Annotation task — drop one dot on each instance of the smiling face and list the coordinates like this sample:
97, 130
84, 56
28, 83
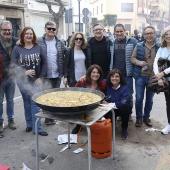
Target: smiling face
28, 38
98, 32
167, 37
120, 33
6, 31
50, 31
78, 40
95, 75
149, 35
115, 79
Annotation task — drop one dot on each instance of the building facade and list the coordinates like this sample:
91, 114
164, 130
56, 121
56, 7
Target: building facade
133, 14
37, 14
76, 6
13, 11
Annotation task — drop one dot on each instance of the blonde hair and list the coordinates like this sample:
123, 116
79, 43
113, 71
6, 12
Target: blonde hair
84, 42
163, 43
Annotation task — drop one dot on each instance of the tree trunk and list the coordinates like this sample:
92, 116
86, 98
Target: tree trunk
57, 15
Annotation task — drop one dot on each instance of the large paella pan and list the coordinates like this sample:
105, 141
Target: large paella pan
63, 106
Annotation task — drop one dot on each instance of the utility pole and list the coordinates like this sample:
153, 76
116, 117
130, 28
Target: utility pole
79, 13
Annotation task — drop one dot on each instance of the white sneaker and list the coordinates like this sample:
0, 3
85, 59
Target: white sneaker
166, 130
119, 119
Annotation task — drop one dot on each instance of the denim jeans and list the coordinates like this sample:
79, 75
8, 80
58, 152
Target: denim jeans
123, 112
129, 82
30, 107
141, 84
7, 88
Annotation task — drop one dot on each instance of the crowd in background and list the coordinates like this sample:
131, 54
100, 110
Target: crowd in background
106, 62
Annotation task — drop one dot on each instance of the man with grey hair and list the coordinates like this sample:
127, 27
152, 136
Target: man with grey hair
143, 58
55, 49
7, 87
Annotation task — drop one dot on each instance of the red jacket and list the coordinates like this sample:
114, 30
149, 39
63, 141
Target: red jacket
101, 87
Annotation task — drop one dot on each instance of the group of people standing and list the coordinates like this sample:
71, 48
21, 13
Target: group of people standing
35, 63
99, 63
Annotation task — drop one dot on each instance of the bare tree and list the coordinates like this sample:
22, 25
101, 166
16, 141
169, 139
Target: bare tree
57, 15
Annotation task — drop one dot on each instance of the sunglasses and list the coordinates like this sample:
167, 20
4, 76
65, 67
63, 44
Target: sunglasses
81, 39
51, 29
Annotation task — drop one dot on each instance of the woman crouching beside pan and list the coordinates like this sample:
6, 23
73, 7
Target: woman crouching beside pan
119, 101
94, 80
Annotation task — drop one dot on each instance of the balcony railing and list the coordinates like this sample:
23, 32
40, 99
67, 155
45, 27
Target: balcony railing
13, 4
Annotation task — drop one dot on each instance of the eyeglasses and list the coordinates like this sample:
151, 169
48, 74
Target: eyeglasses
51, 29
5, 30
81, 39
99, 29
149, 33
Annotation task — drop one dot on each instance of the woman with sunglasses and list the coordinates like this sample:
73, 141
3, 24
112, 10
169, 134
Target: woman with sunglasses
75, 64
164, 52
29, 63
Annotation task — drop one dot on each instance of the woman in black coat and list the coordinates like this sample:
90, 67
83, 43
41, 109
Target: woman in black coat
75, 64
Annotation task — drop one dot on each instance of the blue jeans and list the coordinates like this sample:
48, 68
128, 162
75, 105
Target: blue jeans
30, 107
129, 82
141, 84
7, 88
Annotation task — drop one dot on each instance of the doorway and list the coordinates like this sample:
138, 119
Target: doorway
16, 26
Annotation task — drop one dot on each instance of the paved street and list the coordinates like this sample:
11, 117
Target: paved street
142, 150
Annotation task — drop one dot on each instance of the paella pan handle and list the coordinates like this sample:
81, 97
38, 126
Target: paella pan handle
106, 97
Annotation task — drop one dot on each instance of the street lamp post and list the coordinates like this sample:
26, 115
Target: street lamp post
79, 13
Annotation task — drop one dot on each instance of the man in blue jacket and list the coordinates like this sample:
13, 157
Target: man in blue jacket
7, 87
123, 48
143, 58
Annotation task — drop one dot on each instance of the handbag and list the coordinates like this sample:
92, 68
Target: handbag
155, 87
163, 63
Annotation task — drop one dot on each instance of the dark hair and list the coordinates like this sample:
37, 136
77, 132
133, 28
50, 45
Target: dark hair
34, 41
89, 71
119, 25
97, 25
113, 72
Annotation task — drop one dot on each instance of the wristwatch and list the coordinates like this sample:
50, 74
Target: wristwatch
164, 73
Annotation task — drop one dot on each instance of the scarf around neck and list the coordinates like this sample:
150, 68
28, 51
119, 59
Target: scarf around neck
6, 45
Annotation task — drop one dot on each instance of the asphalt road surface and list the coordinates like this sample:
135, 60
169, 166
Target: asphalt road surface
141, 151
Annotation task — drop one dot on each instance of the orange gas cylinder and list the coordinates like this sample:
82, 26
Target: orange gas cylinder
101, 139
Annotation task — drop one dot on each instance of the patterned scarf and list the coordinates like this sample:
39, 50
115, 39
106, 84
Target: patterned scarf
6, 45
